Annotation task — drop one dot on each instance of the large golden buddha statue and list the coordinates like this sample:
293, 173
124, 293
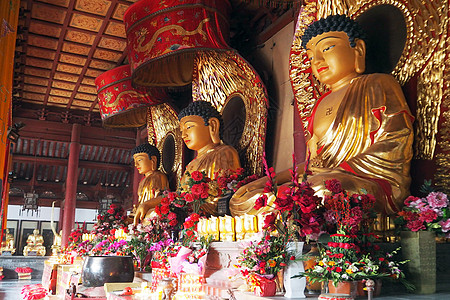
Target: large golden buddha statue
360, 131
146, 160
35, 243
201, 128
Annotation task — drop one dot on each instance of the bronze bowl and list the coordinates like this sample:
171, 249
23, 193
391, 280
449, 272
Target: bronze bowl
98, 270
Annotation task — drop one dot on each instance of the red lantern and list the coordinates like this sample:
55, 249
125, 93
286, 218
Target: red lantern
120, 104
163, 37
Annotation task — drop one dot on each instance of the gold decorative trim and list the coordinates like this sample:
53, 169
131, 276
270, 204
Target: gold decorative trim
162, 121
442, 176
425, 30
217, 78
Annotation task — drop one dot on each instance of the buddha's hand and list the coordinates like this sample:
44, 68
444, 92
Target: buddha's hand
141, 211
251, 188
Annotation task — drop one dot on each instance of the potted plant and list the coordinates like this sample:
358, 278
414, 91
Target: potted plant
140, 239
419, 222
260, 261
296, 217
350, 255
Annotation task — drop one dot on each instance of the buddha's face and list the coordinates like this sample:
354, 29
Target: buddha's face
143, 163
195, 134
333, 60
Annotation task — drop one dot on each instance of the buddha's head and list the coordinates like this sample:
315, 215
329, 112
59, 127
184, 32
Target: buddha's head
336, 48
201, 125
146, 158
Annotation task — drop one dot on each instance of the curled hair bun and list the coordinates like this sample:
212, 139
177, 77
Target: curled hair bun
334, 23
205, 110
150, 150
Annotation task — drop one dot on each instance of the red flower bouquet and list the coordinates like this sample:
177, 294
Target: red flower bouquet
351, 255
297, 211
428, 213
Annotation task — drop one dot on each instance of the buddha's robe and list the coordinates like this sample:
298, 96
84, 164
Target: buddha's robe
220, 158
152, 185
368, 145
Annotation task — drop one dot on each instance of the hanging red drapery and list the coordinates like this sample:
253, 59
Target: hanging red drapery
120, 104
9, 13
163, 37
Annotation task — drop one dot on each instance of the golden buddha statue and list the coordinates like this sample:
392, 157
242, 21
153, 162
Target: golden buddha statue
213, 230
202, 130
146, 160
360, 131
35, 243
227, 229
56, 247
8, 244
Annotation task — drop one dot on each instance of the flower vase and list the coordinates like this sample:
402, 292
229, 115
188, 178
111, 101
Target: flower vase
420, 249
313, 255
279, 277
266, 288
344, 287
295, 287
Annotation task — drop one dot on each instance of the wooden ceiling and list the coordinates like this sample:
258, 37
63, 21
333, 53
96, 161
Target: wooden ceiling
62, 46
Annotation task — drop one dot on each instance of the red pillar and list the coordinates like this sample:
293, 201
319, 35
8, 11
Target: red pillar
71, 185
299, 139
136, 175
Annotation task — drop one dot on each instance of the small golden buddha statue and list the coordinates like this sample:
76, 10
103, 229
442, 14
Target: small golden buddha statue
227, 229
250, 225
360, 132
246, 226
35, 243
56, 247
239, 227
202, 226
8, 244
202, 130
213, 229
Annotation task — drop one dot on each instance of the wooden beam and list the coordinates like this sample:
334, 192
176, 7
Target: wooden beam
63, 162
95, 136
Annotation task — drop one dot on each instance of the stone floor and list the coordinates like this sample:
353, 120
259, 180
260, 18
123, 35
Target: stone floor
10, 290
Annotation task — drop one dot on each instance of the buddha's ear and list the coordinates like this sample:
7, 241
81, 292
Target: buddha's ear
214, 130
360, 57
154, 160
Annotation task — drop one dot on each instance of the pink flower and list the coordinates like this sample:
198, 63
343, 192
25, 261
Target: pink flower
410, 199
437, 200
330, 216
445, 225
